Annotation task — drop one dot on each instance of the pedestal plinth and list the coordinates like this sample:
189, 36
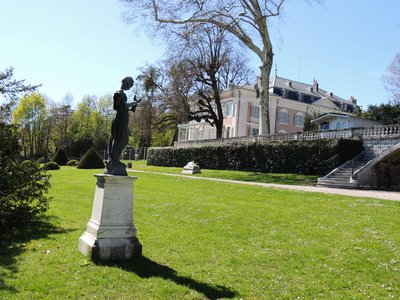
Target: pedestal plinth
110, 233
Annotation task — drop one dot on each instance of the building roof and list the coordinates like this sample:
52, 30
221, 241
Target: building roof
331, 115
304, 88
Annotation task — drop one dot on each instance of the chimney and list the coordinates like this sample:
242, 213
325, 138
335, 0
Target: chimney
315, 86
353, 100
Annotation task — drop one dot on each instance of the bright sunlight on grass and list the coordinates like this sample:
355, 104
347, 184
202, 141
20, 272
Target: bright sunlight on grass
205, 239
291, 179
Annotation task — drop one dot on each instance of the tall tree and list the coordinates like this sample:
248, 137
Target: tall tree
149, 88
10, 90
60, 115
81, 133
245, 19
177, 97
392, 79
30, 116
215, 64
163, 88
105, 107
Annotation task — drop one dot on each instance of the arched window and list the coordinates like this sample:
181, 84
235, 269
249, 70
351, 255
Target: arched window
299, 119
283, 116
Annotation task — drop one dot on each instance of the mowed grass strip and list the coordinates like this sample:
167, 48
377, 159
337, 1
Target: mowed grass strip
290, 179
211, 240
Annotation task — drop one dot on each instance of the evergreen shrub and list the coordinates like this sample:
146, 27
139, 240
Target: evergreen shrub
41, 160
60, 158
26, 162
91, 160
72, 163
301, 157
23, 186
51, 165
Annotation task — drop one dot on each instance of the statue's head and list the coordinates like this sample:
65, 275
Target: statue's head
127, 83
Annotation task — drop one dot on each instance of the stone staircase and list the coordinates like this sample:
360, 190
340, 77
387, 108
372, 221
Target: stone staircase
342, 176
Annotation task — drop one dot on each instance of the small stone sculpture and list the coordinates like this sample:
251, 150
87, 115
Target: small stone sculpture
119, 129
191, 168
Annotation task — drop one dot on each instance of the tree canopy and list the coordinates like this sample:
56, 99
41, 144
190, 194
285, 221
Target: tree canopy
392, 79
30, 117
10, 90
247, 20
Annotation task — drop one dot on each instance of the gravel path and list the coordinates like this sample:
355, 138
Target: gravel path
387, 195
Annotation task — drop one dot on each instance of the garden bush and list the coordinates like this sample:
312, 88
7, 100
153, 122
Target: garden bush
41, 160
26, 162
51, 165
23, 186
72, 163
60, 158
91, 160
302, 157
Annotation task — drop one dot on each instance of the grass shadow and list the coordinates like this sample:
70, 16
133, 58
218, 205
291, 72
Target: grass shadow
146, 268
13, 243
278, 178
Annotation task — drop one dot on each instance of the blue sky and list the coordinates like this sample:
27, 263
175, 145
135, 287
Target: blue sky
84, 47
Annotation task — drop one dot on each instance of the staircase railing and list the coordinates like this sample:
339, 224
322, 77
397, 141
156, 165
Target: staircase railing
330, 164
371, 152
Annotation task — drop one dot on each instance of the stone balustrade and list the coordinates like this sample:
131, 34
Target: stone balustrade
376, 132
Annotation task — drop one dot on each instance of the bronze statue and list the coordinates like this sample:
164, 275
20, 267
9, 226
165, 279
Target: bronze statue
119, 129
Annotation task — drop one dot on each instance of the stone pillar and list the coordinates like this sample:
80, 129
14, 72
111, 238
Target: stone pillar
110, 233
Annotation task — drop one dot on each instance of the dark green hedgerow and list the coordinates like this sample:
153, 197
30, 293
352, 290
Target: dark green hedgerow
302, 157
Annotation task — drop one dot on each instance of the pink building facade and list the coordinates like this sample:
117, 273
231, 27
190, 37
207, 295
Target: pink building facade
290, 102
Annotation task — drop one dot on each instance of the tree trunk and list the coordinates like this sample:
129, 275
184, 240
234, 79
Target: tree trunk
175, 137
219, 120
264, 97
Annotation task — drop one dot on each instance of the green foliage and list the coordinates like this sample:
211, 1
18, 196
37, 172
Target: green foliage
88, 128
11, 89
22, 185
300, 157
41, 160
72, 162
387, 113
30, 117
308, 125
91, 160
60, 157
51, 165
26, 162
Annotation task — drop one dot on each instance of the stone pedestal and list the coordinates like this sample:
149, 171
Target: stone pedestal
110, 233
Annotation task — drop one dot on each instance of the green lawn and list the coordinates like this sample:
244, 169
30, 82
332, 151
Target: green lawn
291, 179
205, 239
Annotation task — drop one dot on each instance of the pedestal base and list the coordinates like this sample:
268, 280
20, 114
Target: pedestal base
110, 233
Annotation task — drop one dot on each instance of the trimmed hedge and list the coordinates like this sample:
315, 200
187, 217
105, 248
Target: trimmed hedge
301, 157
51, 165
72, 163
91, 160
60, 158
